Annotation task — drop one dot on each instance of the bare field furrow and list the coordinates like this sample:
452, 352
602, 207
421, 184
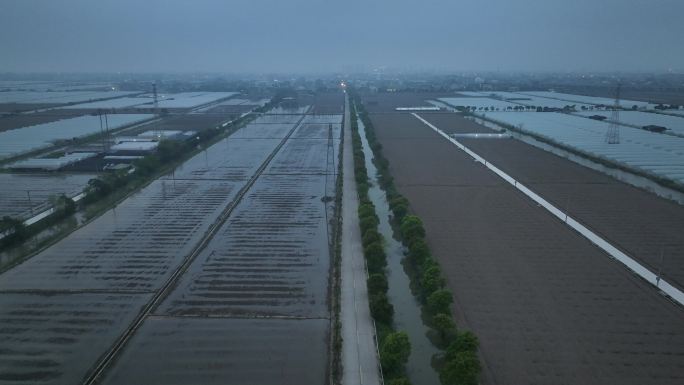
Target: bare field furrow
547, 306
647, 227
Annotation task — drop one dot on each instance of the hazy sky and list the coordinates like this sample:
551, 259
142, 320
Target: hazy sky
326, 35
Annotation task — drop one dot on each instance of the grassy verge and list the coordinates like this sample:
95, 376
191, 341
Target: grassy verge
460, 362
394, 346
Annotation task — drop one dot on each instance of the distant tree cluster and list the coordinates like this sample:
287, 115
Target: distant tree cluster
14, 232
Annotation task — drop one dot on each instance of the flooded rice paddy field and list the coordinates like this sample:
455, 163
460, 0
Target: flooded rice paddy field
185, 122
25, 120
115, 262
328, 103
547, 305
208, 351
259, 130
270, 258
11, 108
22, 140
259, 287
59, 97
14, 199
312, 149
109, 104
231, 109
283, 117
233, 158
306, 156
189, 99
54, 338
132, 247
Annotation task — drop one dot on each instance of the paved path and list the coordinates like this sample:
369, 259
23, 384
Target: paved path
359, 356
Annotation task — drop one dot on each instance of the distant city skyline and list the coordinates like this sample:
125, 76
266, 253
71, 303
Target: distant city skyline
243, 36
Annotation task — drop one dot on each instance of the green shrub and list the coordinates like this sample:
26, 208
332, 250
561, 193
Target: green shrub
386, 179
376, 259
427, 263
439, 301
431, 280
398, 381
377, 283
63, 205
362, 189
444, 325
381, 309
462, 369
399, 206
412, 228
15, 231
465, 342
394, 353
366, 209
147, 165
368, 223
370, 236
419, 251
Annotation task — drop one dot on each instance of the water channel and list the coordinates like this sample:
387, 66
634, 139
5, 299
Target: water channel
407, 310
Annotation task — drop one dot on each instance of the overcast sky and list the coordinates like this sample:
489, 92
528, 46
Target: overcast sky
327, 36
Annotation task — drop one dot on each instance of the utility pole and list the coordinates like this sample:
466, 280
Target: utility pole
102, 133
156, 98
156, 106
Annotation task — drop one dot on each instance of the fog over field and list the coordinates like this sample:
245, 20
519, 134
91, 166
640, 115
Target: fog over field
318, 36
319, 192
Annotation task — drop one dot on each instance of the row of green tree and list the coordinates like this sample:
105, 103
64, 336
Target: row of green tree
14, 232
460, 363
394, 346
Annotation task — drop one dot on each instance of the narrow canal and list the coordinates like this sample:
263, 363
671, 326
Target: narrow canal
407, 310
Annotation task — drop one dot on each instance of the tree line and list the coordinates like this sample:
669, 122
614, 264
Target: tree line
460, 362
394, 346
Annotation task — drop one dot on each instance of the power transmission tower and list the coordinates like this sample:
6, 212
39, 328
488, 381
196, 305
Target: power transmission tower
613, 134
156, 99
156, 108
